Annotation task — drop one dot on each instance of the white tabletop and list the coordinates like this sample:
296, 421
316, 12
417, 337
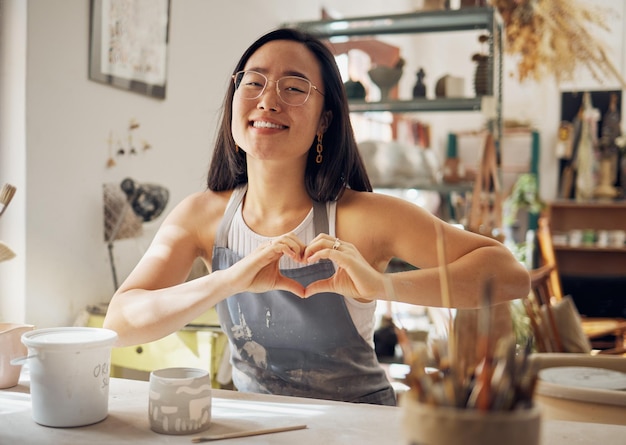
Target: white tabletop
327, 422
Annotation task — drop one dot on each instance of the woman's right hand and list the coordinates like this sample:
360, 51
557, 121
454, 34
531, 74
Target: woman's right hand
259, 271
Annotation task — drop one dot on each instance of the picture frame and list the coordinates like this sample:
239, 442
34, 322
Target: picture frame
128, 44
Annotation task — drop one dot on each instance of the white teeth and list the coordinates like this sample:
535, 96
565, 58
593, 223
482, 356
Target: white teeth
261, 124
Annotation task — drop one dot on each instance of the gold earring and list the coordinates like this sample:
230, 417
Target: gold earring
319, 148
236, 148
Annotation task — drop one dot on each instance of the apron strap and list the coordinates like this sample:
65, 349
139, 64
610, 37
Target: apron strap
221, 237
320, 217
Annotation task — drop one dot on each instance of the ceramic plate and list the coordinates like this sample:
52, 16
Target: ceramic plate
584, 377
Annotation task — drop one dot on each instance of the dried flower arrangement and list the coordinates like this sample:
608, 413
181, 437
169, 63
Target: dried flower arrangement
553, 38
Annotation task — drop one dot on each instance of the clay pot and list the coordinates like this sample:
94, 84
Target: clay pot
385, 78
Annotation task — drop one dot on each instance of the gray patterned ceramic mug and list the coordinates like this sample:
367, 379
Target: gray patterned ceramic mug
180, 400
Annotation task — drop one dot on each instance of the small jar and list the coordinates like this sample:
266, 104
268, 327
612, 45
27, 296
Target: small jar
603, 238
575, 238
589, 237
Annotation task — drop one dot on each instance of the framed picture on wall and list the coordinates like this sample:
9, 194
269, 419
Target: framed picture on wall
128, 44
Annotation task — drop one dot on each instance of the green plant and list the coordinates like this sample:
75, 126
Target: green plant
524, 195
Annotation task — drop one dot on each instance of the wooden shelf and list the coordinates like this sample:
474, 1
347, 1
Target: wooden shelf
415, 22
345, 33
591, 249
417, 105
589, 260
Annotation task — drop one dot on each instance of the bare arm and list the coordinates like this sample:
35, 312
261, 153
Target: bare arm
375, 228
155, 300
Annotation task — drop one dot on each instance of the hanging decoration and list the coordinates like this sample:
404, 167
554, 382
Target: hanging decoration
129, 149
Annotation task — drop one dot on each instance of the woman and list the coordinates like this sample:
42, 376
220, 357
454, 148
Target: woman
296, 244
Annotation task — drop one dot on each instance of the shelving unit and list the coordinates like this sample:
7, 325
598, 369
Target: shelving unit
479, 18
589, 259
595, 276
484, 18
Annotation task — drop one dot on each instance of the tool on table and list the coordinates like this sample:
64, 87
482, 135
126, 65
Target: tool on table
210, 437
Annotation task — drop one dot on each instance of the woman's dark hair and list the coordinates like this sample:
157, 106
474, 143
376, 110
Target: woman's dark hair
342, 165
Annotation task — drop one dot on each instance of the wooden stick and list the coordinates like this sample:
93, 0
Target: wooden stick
453, 359
443, 271
246, 433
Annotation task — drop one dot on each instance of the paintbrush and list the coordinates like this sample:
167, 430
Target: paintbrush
6, 195
454, 376
480, 396
445, 284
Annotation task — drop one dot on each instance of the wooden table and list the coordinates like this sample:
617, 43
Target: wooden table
327, 422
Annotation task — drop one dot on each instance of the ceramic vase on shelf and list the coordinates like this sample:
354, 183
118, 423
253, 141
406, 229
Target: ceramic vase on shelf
419, 90
453, 169
481, 74
354, 89
385, 77
481, 83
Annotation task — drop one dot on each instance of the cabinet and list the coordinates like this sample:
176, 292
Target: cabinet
200, 344
587, 256
592, 272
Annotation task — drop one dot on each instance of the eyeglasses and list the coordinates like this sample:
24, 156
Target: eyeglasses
292, 90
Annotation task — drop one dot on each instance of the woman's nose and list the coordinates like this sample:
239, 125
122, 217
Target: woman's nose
270, 100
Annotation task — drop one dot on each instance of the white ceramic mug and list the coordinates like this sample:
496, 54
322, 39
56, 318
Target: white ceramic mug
180, 400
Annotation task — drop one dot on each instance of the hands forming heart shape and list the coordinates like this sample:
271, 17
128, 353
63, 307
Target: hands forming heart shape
354, 276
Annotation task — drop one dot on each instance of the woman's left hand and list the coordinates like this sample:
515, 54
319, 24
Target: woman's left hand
354, 277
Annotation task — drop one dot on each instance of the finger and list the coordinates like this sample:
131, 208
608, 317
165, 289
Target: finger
340, 256
319, 287
321, 246
290, 285
289, 245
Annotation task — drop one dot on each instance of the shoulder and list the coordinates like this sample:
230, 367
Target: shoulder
204, 203
198, 215
379, 221
379, 205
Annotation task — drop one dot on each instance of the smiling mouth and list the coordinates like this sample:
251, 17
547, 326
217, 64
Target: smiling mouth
263, 124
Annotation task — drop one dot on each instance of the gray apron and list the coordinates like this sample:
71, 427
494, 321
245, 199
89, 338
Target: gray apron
282, 344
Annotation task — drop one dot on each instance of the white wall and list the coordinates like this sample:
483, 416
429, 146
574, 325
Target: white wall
54, 128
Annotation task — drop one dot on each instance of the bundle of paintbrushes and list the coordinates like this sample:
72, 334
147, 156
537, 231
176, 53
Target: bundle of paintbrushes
6, 195
504, 381
502, 378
